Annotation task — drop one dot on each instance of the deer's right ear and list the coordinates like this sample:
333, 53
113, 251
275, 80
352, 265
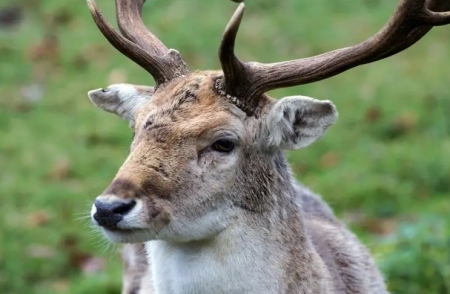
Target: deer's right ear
297, 121
122, 99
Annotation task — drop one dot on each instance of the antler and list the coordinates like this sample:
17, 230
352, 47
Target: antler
411, 20
139, 44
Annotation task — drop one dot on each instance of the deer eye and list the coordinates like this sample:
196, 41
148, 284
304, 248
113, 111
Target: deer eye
223, 145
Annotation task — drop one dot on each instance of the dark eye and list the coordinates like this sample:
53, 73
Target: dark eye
223, 145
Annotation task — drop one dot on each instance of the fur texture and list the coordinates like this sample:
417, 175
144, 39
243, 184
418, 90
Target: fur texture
235, 221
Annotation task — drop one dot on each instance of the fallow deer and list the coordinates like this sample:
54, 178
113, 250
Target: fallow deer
206, 185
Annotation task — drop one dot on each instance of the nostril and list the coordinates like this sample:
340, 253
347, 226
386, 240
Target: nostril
124, 207
117, 207
109, 214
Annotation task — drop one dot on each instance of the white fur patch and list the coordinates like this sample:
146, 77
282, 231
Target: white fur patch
232, 262
295, 122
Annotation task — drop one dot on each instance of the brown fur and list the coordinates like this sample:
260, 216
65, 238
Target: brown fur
308, 249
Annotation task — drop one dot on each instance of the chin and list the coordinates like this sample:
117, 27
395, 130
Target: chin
128, 235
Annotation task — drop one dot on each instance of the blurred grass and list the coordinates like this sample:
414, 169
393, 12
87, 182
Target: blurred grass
383, 167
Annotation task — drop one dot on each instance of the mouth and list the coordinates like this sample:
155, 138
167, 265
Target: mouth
128, 235
118, 230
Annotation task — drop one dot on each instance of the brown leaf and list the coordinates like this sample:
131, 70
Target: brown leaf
380, 226
373, 114
69, 242
45, 57
329, 159
60, 170
406, 121
77, 257
46, 50
38, 219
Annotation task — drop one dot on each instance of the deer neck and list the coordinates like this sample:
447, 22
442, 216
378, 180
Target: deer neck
259, 252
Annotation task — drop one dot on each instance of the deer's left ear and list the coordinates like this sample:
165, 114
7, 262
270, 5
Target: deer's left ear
123, 100
297, 121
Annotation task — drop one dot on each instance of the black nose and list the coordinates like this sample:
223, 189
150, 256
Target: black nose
109, 214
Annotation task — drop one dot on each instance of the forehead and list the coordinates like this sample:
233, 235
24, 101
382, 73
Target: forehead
190, 102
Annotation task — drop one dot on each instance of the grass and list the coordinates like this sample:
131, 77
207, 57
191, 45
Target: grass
383, 167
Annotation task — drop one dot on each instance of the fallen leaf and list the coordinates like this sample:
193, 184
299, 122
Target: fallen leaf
69, 241
380, 226
402, 125
406, 121
60, 170
373, 114
78, 259
329, 159
45, 50
38, 219
44, 57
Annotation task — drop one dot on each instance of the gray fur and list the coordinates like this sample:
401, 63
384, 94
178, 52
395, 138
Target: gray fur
340, 250
236, 222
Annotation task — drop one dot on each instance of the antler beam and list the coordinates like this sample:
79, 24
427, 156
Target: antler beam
139, 44
411, 20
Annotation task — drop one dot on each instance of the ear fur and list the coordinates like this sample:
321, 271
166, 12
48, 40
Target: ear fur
123, 100
295, 122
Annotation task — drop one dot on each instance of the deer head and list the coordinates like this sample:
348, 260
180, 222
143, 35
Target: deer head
208, 145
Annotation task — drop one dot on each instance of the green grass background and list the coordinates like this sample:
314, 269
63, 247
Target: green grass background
384, 167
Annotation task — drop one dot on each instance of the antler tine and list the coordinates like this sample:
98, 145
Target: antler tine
437, 18
411, 20
126, 47
129, 20
237, 75
140, 45
233, 68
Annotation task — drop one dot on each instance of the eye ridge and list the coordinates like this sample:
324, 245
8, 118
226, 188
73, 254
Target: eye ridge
223, 145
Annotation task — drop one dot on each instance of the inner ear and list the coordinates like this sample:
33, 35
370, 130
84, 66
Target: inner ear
123, 100
297, 121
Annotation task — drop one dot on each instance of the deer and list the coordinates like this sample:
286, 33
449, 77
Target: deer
206, 193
